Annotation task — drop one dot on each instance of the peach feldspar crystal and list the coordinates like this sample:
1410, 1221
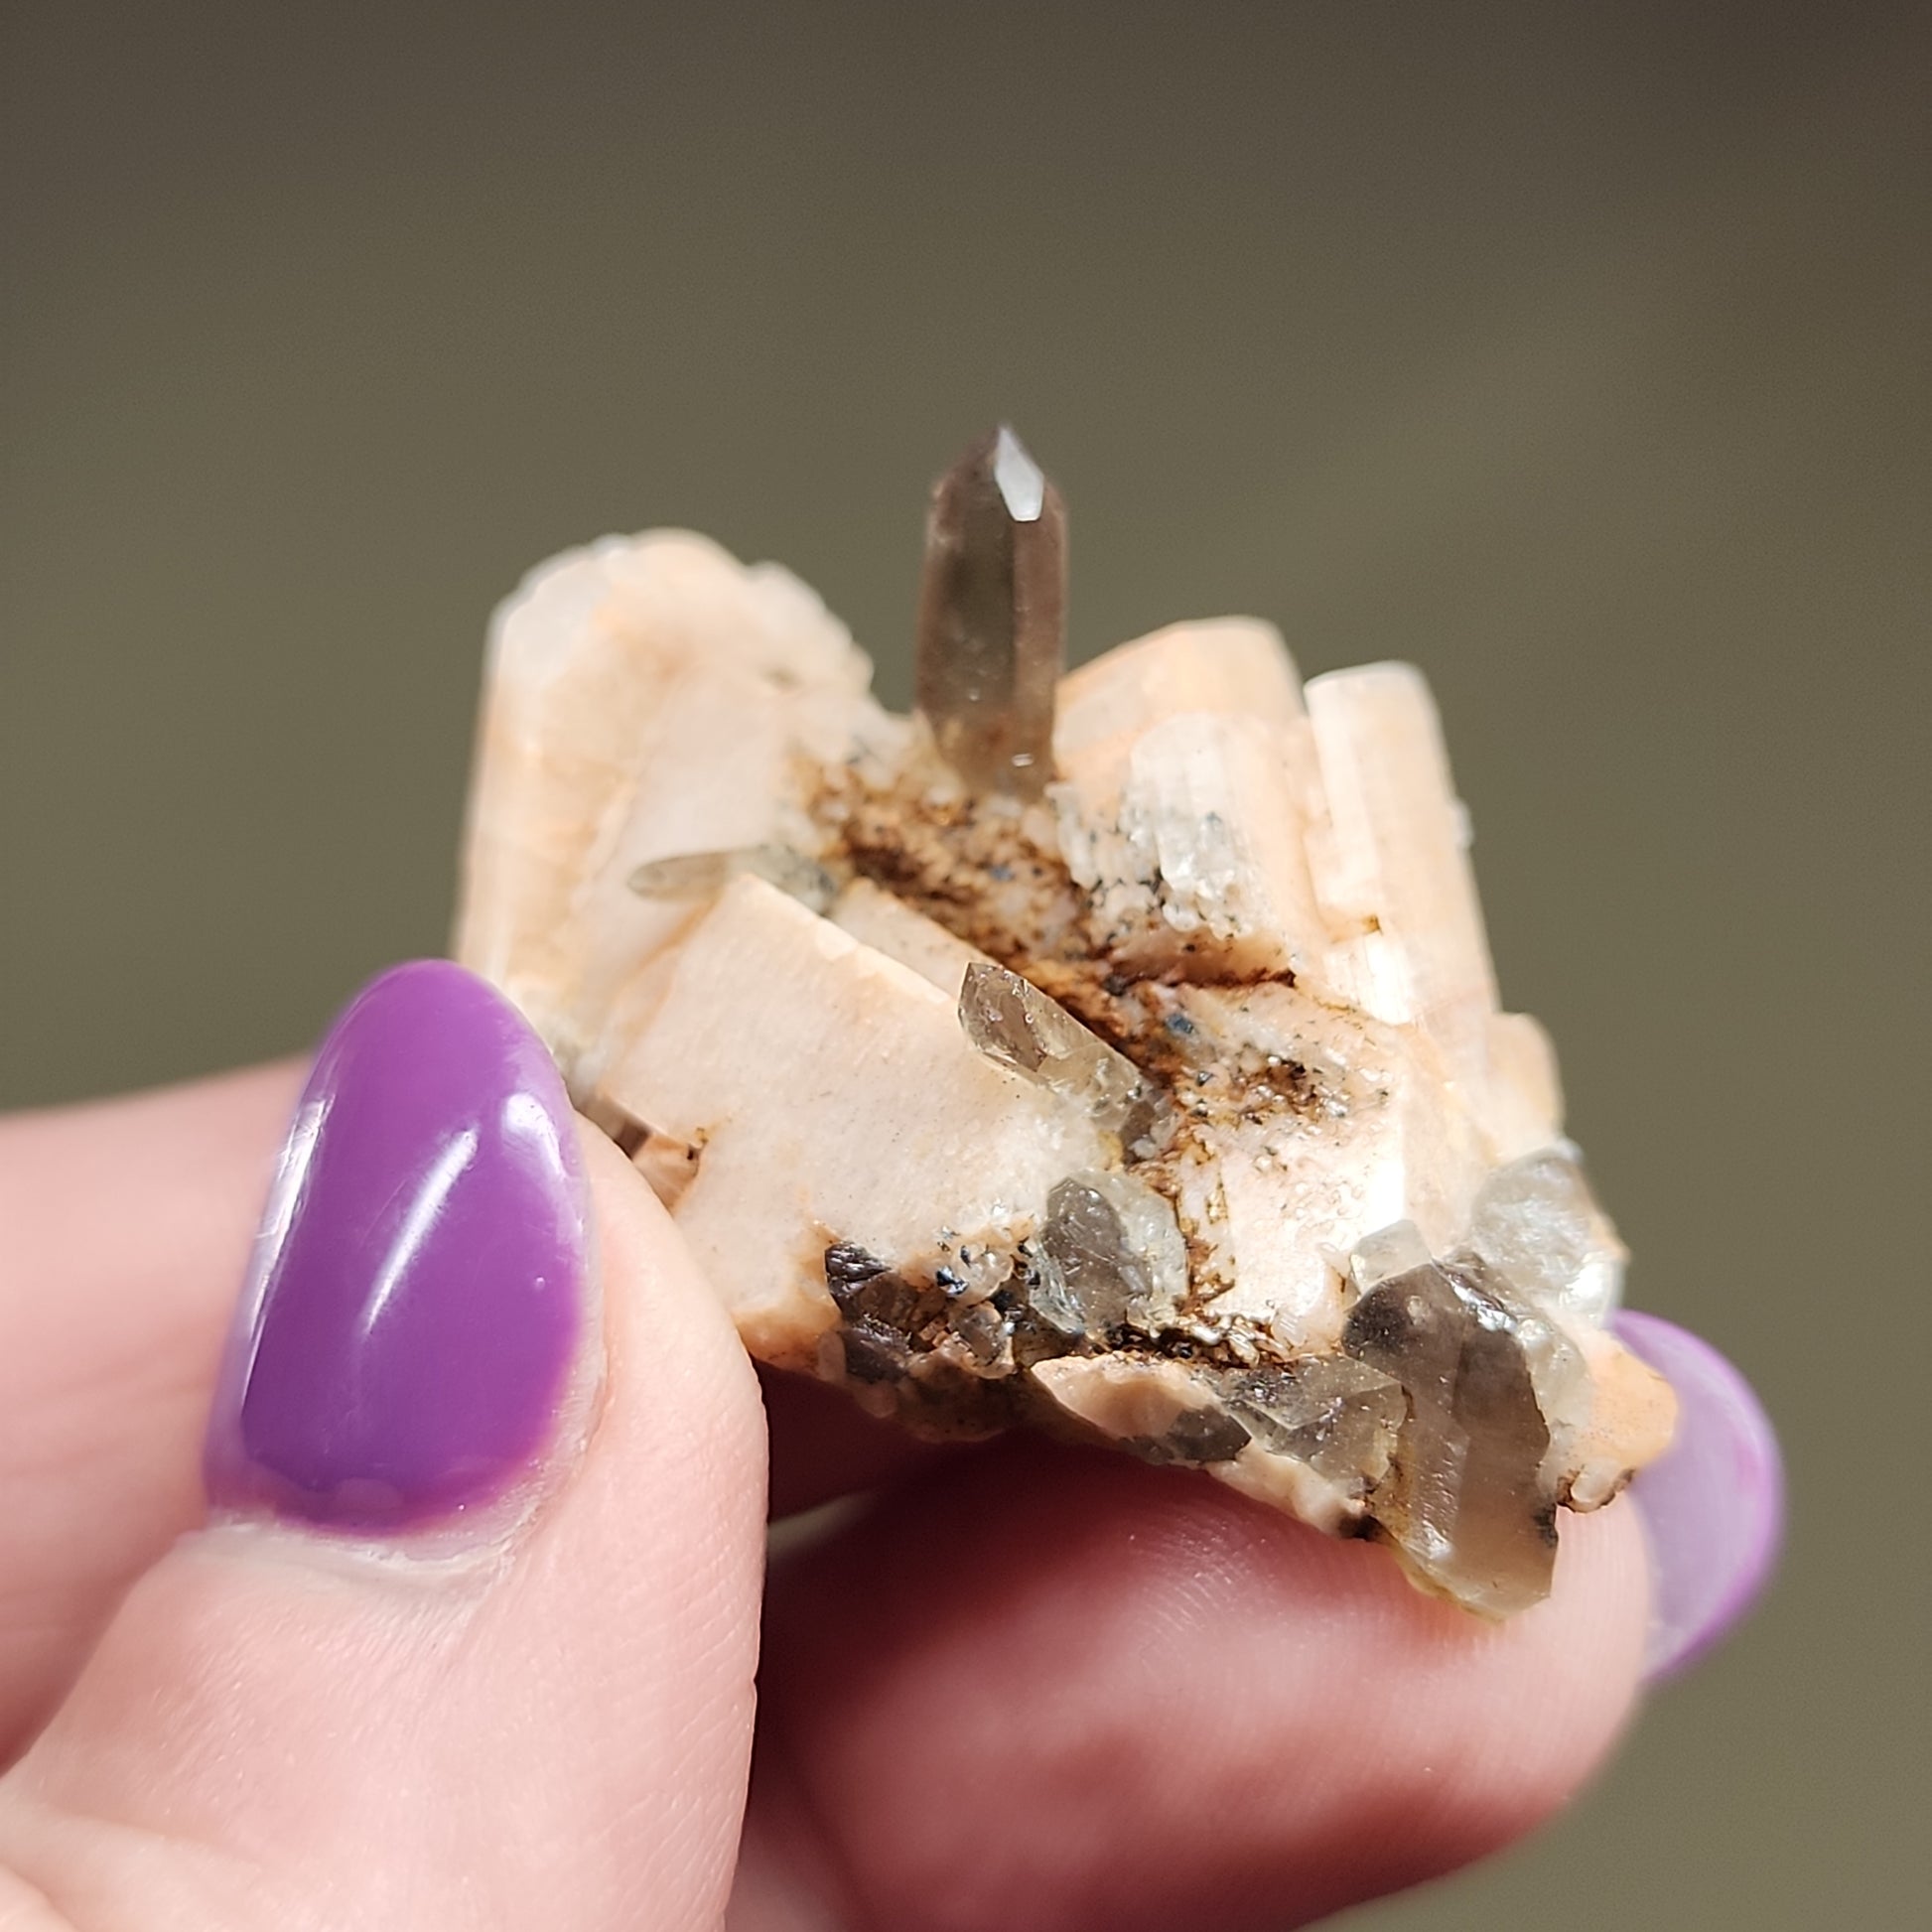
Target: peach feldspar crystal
1118, 1051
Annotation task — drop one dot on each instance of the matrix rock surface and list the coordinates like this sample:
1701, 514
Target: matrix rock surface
1116, 1050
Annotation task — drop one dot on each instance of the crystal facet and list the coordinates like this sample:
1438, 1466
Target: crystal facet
1115, 1252
1015, 1026
1537, 1222
993, 617
1468, 1506
1338, 1415
704, 874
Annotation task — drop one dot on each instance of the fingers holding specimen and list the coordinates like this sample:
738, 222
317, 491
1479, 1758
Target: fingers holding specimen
473, 1635
1044, 1687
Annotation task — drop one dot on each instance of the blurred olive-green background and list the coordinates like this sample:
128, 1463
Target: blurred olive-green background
1576, 352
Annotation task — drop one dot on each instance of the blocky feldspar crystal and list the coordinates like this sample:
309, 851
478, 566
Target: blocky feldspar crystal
993, 617
1121, 1057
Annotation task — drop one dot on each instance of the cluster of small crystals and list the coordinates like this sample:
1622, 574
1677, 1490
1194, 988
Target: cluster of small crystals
760, 1023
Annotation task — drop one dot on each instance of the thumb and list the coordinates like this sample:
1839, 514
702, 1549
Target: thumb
470, 1640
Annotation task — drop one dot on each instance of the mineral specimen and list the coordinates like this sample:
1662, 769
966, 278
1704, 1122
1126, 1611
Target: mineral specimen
1116, 1051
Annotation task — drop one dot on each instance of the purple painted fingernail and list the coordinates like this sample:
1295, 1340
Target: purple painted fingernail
1714, 1502
406, 1346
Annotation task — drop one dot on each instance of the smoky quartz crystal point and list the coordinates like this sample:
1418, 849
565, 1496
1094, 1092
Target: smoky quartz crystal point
1016, 1025
1465, 1501
993, 617
1116, 1051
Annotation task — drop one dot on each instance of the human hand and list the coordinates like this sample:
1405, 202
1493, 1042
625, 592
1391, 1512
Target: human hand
469, 1639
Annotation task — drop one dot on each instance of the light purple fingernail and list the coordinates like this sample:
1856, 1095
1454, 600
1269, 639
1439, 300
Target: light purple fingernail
1714, 1502
404, 1352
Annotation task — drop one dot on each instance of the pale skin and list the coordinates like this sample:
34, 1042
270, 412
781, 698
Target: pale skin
1026, 1689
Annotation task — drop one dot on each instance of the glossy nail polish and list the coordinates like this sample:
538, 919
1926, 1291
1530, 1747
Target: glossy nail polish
1713, 1504
407, 1344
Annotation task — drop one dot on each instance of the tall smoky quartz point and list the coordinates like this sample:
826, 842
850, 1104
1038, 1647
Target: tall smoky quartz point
993, 617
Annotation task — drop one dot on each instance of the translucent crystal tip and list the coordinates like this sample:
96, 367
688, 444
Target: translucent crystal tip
993, 616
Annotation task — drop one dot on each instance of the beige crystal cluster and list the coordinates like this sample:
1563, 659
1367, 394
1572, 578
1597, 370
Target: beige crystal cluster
1116, 1050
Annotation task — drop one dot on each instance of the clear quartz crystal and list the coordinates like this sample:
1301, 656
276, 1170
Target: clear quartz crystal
1112, 1255
704, 874
1388, 1251
1338, 1415
1537, 1222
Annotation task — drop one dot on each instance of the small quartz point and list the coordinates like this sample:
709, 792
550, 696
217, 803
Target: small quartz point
704, 874
1392, 1250
1538, 1222
993, 617
1337, 1415
1465, 1500
1111, 1255
1197, 1439
882, 1312
1018, 1027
